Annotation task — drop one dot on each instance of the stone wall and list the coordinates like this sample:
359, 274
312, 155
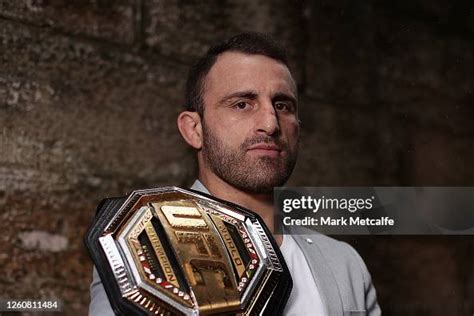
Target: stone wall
90, 91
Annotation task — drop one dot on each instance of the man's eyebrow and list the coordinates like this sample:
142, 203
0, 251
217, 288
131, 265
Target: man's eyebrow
247, 94
284, 97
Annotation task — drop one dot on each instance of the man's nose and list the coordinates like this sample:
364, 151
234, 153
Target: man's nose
267, 120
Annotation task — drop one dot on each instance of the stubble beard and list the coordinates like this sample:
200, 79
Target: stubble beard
257, 175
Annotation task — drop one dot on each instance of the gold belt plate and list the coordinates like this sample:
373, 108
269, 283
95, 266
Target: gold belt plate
177, 252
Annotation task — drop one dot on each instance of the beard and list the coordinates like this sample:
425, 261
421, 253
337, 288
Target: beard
257, 175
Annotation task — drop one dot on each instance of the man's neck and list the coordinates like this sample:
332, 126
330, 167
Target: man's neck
262, 204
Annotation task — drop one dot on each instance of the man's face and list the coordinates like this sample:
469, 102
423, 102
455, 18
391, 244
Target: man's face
250, 124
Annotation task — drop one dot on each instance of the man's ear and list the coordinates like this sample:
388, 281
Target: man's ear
190, 127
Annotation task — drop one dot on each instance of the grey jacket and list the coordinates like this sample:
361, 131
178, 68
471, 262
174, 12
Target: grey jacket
340, 274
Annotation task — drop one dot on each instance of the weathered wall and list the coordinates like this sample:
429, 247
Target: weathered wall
89, 93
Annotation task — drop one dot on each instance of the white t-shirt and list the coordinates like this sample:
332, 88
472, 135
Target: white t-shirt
304, 298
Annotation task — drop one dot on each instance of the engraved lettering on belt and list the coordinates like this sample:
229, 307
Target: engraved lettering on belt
160, 254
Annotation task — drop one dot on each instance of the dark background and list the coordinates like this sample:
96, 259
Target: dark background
90, 91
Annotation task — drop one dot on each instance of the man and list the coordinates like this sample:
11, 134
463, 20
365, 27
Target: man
242, 120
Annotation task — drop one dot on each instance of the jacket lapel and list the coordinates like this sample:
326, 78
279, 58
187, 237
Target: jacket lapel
322, 274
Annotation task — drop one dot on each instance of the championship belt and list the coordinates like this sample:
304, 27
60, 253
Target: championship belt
170, 251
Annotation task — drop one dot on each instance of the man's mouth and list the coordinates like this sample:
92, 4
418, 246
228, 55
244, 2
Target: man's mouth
265, 149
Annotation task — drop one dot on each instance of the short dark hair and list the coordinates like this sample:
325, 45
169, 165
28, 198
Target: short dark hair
248, 43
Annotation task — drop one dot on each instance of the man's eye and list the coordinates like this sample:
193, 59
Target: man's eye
282, 106
242, 105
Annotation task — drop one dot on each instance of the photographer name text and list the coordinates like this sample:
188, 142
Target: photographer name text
341, 221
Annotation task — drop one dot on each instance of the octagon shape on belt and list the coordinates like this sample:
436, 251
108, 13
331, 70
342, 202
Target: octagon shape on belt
170, 251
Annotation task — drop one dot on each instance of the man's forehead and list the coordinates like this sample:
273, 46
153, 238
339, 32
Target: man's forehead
248, 71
